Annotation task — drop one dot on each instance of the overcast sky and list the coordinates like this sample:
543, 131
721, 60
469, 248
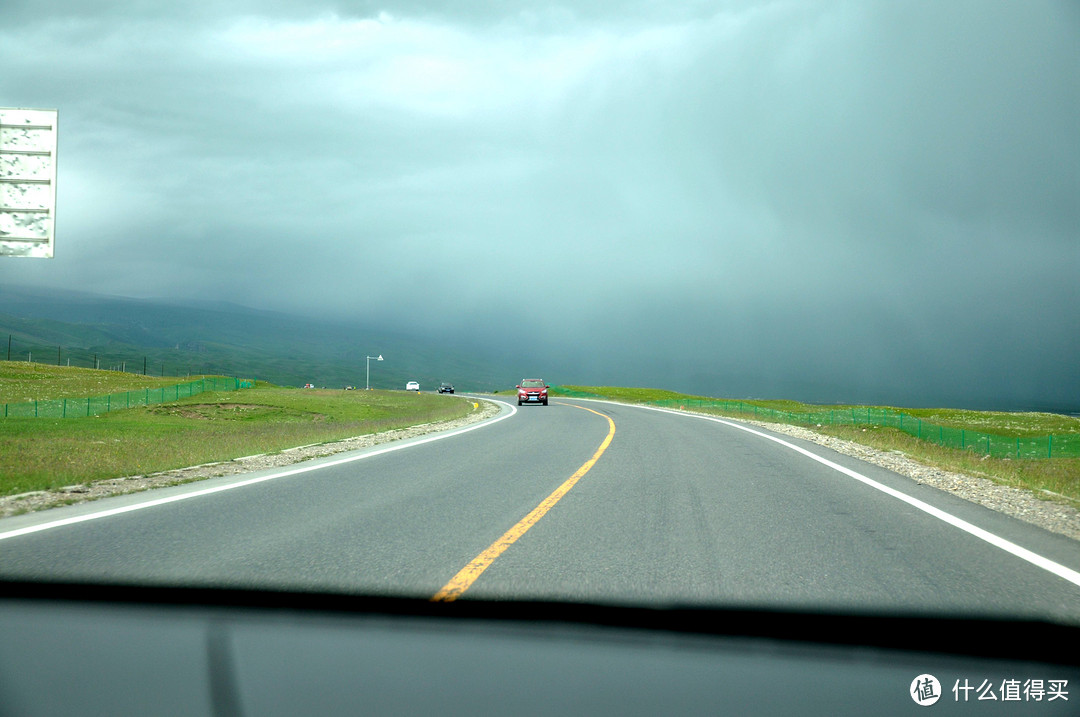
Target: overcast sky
833, 201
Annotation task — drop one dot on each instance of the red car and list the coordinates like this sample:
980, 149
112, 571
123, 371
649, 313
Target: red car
532, 390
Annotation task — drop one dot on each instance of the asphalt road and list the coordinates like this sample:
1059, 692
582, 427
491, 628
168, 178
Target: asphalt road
674, 510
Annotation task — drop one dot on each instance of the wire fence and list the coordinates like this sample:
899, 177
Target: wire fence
96, 405
154, 362
1050, 446
574, 393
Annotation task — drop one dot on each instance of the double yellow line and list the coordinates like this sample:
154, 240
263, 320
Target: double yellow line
468, 575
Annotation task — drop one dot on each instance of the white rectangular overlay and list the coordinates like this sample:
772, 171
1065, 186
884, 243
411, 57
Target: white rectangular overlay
27, 182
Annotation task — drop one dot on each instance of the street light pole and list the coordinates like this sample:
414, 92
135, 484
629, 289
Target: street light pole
377, 358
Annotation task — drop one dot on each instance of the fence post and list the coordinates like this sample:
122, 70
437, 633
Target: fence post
63, 413
87, 405
1018, 447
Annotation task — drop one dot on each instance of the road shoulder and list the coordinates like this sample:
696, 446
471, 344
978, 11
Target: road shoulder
81, 493
1018, 503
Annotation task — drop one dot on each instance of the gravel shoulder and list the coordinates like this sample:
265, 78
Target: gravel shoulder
40, 500
1051, 515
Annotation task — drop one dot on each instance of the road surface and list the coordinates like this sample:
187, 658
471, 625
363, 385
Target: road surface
635, 506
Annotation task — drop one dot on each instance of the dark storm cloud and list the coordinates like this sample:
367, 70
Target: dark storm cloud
767, 198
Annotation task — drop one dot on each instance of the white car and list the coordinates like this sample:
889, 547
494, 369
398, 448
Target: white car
412, 386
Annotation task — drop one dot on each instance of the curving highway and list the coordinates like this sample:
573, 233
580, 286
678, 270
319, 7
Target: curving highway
579, 500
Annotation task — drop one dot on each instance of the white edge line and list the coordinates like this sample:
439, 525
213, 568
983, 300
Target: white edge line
251, 481
1008, 546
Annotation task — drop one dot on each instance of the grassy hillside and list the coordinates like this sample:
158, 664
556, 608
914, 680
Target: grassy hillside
168, 340
21, 382
38, 454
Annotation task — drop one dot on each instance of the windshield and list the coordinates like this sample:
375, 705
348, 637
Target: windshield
803, 277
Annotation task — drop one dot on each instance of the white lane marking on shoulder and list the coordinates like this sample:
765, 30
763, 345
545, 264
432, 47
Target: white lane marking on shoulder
251, 481
1007, 545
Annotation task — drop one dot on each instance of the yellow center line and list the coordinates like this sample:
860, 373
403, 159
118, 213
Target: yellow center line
468, 575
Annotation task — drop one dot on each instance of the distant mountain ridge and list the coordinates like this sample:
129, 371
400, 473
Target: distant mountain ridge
214, 337
193, 337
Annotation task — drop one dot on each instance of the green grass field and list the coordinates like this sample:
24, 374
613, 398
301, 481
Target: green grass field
43, 453
1060, 476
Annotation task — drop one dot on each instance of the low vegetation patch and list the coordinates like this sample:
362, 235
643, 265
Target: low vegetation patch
235, 412
619, 393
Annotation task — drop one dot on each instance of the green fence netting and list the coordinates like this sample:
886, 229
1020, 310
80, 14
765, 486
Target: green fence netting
1060, 446
95, 405
573, 393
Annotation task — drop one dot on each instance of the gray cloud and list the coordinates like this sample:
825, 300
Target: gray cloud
826, 199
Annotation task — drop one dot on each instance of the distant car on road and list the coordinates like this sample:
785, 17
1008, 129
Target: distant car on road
446, 388
532, 390
412, 386
309, 385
